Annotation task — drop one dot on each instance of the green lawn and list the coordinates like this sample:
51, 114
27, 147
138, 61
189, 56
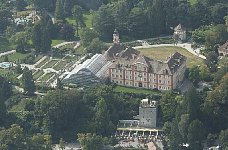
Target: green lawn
87, 18
60, 65
43, 62
160, 53
15, 57
50, 64
124, 89
192, 2
56, 42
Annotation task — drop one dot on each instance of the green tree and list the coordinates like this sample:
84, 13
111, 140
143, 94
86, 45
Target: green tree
211, 61
12, 138
102, 122
96, 46
223, 139
196, 134
183, 126
78, 16
194, 75
59, 11
168, 106
87, 35
28, 82
90, 141
62, 144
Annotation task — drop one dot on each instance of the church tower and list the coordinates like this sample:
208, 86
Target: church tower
116, 37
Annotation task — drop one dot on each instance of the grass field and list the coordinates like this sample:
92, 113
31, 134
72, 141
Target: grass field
56, 42
160, 53
192, 2
15, 57
123, 89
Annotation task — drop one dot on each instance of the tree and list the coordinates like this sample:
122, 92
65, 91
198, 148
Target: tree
194, 75
211, 61
59, 12
62, 144
96, 46
87, 35
90, 141
223, 139
196, 133
78, 16
40, 141
183, 126
12, 138
28, 82
168, 106
18, 69
67, 8
67, 32
59, 84
102, 122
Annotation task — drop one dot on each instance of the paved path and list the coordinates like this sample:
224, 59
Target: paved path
7, 53
63, 43
187, 46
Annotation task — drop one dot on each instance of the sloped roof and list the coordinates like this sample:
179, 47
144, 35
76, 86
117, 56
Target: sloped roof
179, 27
113, 51
129, 53
175, 61
224, 47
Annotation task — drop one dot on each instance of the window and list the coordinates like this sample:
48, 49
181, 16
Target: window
126, 77
135, 78
116, 81
159, 81
116, 70
144, 79
130, 77
120, 76
120, 71
135, 67
117, 76
144, 74
130, 72
120, 82
144, 85
113, 75
144, 68
126, 83
135, 73
135, 84
154, 80
159, 87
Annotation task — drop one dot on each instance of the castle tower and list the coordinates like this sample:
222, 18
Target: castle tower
148, 113
116, 37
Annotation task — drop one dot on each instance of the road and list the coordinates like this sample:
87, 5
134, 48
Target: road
7, 53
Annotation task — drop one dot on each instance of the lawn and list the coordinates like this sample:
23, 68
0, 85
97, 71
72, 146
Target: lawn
50, 64
56, 42
160, 53
192, 2
60, 65
124, 89
43, 62
15, 57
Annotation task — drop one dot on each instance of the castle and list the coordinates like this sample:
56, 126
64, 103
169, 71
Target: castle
130, 68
